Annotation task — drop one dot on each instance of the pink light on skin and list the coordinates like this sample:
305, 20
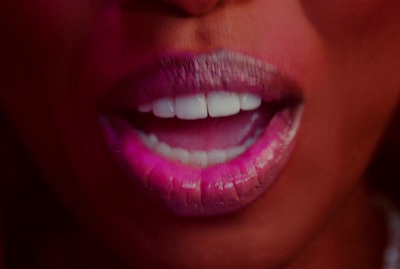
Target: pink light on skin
59, 65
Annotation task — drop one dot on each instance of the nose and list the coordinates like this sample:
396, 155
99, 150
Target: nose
195, 7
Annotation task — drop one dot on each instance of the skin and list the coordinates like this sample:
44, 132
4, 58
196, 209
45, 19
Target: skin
61, 56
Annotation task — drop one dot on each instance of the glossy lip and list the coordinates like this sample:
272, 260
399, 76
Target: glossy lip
222, 188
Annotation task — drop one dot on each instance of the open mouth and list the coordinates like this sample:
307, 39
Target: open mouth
202, 134
202, 130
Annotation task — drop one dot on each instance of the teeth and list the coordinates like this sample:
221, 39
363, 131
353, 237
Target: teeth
235, 151
249, 101
222, 104
180, 154
164, 108
216, 156
199, 158
163, 149
193, 107
249, 142
149, 140
152, 141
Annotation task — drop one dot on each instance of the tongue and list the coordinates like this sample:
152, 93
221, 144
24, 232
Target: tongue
205, 134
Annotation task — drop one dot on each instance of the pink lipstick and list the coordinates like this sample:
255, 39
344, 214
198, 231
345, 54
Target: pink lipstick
202, 134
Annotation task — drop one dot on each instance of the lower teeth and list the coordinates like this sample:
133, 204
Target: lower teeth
199, 158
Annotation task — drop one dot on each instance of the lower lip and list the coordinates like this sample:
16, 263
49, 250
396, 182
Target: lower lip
215, 190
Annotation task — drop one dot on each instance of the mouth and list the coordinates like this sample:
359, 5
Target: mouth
202, 134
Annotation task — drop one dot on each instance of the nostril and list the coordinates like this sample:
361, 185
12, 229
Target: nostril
194, 7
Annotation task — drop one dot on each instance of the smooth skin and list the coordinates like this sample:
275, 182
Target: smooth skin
60, 57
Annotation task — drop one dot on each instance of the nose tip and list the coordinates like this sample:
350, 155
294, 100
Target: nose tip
194, 7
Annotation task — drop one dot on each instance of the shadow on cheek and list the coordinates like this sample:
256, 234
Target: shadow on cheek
384, 172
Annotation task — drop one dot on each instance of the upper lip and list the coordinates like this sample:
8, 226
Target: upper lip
188, 73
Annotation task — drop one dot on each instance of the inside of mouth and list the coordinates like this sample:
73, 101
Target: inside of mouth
202, 142
205, 134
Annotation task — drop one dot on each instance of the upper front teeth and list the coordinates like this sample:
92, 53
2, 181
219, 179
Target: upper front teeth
222, 104
191, 107
164, 108
199, 106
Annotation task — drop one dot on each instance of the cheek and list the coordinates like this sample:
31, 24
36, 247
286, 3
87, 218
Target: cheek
361, 84
347, 107
47, 26
42, 39
364, 76
343, 18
